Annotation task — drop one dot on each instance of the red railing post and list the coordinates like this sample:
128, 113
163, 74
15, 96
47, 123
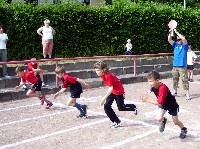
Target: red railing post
134, 65
56, 75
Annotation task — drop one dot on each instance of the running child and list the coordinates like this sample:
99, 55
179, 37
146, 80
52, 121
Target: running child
115, 92
165, 101
191, 58
35, 90
34, 66
75, 90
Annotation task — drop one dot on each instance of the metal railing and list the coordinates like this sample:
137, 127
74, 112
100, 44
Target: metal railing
56, 60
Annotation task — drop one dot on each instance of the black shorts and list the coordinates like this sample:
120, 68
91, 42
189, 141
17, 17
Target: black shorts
190, 67
75, 94
173, 112
37, 86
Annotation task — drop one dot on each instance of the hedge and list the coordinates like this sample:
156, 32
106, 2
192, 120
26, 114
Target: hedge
88, 31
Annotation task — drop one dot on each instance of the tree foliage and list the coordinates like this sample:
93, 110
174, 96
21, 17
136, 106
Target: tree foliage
89, 31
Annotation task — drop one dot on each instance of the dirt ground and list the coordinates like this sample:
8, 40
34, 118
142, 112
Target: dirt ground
25, 124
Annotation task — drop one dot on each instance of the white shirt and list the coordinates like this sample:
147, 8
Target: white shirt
190, 57
47, 32
3, 38
129, 46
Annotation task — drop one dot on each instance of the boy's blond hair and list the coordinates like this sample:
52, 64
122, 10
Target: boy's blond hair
103, 66
33, 59
19, 69
59, 70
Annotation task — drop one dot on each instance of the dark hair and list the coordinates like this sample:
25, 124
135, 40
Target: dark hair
1, 26
153, 75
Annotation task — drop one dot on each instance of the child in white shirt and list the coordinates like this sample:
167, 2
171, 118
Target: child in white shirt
191, 57
128, 48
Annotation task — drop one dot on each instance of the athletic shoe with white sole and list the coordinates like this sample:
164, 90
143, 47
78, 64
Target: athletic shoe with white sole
183, 133
162, 125
49, 104
115, 125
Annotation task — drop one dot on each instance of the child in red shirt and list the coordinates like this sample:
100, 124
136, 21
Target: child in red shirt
75, 90
115, 92
35, 91
34, 66
166, 102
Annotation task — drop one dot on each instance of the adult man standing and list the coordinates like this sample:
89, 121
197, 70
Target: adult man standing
180, 62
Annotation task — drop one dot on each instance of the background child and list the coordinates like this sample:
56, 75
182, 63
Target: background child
35, 91
115, 92
34, 66
75, 90
166, 102
191, 57
128, 48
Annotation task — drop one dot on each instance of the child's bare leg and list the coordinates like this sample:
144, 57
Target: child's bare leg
160, 115
191, 74
71, 102
160, 118
31, 93
177, 122
188, 74
180, 124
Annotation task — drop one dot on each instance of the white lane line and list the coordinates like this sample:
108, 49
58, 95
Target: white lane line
43, 116
53, 134
15, 108
128, 120
34, 118
91, 99
59, 104
117, 144
195, 82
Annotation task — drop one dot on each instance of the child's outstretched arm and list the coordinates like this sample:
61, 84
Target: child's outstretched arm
40, 70
146, 99
105, 96
20, 85
83, 82
59, 92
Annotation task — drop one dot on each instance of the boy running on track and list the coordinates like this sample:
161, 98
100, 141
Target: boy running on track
35, 90
166, 102
115, 92
75, 90
34, 66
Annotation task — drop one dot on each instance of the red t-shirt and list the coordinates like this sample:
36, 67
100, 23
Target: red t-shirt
68, 80
31, 66
30, 77
162, 93
111, 80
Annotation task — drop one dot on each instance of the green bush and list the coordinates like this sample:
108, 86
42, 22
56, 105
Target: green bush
89, 31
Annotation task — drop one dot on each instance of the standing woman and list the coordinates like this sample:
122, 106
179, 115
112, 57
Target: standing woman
3, 50
47, 33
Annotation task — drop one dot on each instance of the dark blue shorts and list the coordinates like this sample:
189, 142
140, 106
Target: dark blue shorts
190, 67
37, 86
173, 112
75, 95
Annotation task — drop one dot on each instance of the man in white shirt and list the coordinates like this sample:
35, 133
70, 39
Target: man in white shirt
3, 50
191, 57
